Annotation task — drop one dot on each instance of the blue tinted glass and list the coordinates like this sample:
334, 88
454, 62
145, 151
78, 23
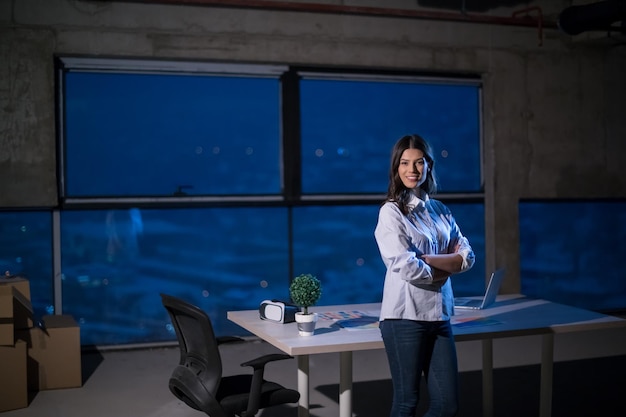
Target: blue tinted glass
159, 135
26, 250
116, 262
573, 253
337, 245
349, 127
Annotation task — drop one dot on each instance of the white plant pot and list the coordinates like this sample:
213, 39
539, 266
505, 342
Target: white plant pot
306, 323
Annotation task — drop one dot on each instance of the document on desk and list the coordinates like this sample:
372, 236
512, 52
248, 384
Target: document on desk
352, 320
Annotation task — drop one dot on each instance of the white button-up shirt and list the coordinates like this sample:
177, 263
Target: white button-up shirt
409, 291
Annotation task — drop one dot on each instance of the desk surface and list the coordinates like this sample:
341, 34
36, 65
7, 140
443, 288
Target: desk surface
512, 315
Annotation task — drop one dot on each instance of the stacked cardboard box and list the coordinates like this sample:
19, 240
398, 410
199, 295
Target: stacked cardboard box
13, 384
35, 357
15, 314
53, 353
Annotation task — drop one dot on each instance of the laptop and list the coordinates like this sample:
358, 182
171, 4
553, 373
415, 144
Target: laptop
488, 299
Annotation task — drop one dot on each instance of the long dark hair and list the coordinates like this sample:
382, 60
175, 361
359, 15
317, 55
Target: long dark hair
397, 192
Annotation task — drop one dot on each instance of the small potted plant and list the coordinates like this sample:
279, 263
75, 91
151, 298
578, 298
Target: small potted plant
305, 291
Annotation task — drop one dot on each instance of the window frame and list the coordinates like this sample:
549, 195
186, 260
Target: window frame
136, 66
290, 144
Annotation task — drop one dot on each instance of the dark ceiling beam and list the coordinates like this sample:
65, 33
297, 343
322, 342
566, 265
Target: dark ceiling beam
520, 18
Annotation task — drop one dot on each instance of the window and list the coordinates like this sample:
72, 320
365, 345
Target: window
219, 183
572, 252
349, 125
189, 135
338, 243
116, 262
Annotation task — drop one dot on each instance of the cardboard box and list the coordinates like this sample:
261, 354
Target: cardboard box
54, 355
20, 283
16, 313
13, 384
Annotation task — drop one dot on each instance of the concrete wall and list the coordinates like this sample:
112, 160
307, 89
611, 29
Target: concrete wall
554, 124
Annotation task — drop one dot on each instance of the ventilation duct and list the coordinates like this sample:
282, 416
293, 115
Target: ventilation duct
598, 16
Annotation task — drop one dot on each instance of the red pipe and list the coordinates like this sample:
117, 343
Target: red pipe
539, 21
357, 10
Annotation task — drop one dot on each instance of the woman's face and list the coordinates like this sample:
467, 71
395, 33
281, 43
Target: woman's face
413, 168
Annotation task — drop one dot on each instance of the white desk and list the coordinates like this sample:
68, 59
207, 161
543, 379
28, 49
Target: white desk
511, 316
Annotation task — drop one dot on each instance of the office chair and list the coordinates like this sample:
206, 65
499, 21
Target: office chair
198, 380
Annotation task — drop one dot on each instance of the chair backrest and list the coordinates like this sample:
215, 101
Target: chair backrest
200, 364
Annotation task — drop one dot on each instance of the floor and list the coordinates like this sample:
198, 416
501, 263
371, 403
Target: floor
133, 383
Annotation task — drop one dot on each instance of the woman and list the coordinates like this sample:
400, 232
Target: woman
421, 246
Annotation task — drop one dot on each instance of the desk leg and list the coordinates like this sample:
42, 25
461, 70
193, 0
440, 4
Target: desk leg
303, 385
487, 377
547, 367
345, 384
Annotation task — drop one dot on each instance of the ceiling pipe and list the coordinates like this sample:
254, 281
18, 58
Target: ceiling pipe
525, 21
599, 16
539, 20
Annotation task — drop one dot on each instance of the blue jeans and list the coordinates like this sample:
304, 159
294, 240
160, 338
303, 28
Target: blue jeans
414, 347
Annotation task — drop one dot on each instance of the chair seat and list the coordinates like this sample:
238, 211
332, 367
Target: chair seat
234, 391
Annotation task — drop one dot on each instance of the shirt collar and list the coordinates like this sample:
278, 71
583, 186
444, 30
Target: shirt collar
420, 201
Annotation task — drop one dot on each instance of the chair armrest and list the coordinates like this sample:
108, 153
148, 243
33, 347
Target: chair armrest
228, 339
258, 364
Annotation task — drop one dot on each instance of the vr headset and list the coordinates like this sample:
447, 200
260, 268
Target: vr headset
277, 311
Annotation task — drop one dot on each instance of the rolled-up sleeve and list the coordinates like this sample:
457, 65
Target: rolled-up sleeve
399, 252
465, 250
